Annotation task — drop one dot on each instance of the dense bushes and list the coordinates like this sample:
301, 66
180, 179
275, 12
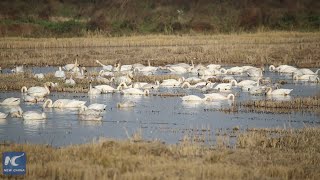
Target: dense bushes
71, 17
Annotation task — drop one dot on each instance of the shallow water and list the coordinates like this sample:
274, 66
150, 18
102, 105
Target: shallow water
164, 118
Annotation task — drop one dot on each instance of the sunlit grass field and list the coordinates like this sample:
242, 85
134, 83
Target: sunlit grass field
294, 48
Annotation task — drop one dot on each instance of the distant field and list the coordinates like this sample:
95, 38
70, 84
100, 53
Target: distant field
257, 154
294, 48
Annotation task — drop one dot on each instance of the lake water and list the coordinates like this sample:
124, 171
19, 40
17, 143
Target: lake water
165, 118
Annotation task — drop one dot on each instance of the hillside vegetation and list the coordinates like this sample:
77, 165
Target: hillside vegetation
65, 18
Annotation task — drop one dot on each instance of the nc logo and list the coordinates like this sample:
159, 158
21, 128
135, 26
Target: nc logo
12, 160
14, 163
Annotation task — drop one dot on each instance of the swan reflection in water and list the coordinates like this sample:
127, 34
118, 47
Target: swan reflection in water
279, 98
90, 123
35, 124
3, 121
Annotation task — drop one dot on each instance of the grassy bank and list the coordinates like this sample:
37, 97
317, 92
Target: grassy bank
294, 48
257, 154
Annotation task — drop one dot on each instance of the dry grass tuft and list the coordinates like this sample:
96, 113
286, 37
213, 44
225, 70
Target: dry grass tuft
258, 154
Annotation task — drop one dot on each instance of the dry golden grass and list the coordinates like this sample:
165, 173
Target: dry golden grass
294, 48
257, 154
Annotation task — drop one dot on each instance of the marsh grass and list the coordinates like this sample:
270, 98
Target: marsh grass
257, 154
294, 48
13, 81
297, 104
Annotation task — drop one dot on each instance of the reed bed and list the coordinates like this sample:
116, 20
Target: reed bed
301, 103
294, 48
257, 154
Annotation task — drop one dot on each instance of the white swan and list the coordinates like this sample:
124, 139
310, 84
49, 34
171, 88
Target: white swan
120, 67
305, 71
254, 72
209, 85
171, 82
283, 69
218, 96
93, 91
3, 115
105, 88
151, 86
246, 82
126, 79
16, 112
138, 84
36, 91
205, 72
305, 77
272, 68
60, 74
177, 69
194, 98
235, 70
105, 67
52, 84
214, 66
70, 81
223, 87
104, 73
257, 90
39, 76
97, 107
56, 104
283, 92
195, 86
33, 115
193, 80
197, 68
80, 74
10, 102
184, 65
18, 69
314, 79
70, 67
64, 103
228, 79
30, 99
134, 91
83, 110
126, 104
145, 69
